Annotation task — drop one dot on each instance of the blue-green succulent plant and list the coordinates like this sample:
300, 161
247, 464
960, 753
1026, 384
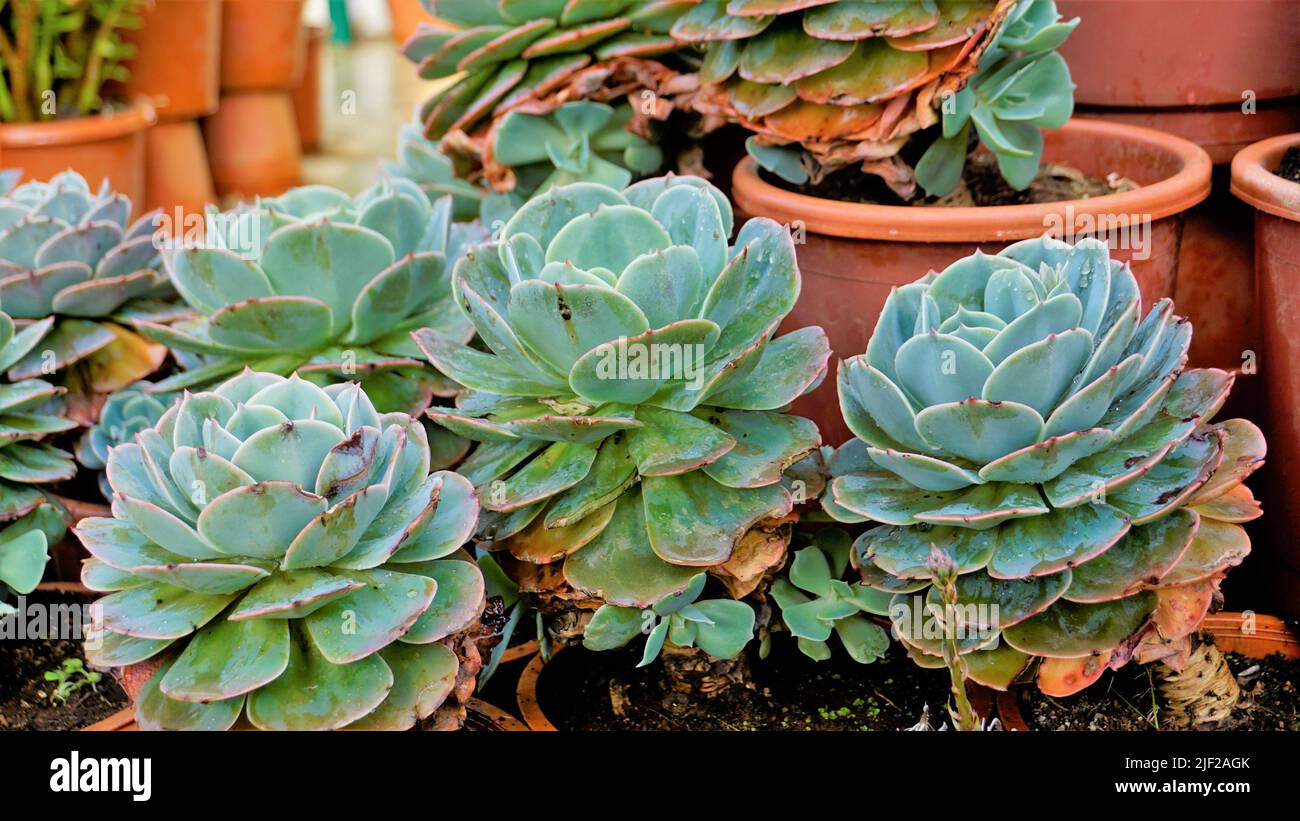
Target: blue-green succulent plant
124, 414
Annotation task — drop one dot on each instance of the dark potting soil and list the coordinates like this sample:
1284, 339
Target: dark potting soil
982, 185
1290, 167
1127, 700
26, 698
585, 690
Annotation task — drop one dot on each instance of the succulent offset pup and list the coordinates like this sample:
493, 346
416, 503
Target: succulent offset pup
827, 84
1018, 413
29, 411
289, 549
125, 413
630, 410
72, 254
324, 284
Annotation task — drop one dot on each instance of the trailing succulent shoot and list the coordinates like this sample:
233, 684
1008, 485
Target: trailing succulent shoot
815, 601
719, 627
826, 84
629, 407
516, 52
29, 411
323, 284
124, 414
1017, 413
1022, 87
56, 55
71, 256
288, 550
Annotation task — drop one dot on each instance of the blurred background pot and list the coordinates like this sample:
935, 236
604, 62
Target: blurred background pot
253, 144
263, 47
307, 96
1276, 202
851, 254
178, 59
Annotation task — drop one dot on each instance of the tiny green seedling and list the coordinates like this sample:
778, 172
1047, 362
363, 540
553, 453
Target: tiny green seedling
71, 676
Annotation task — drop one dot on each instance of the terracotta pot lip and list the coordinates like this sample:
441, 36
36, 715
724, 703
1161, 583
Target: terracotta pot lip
901, 223
80, 130
526, 694
1254, 182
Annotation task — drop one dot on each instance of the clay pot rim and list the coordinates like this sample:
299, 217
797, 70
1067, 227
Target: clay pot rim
1272, 635
901, 223
526, 693
108, 125
1254, 182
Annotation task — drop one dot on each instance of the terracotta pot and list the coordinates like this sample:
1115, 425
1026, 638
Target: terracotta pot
407, 15
1254, 636
109, 145
178, 178
306, 97
1277, 275
253, 144
853, 254
1183, 81
177, 60
263, 45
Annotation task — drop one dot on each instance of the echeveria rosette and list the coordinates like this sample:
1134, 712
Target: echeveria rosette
512, 52
1018, 412
816, 602
719, 627
289, 550
124, 414
634, 479
1023, 86
324, 284
70, 253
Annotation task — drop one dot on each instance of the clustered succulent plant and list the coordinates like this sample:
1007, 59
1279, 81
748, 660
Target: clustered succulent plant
630, 405
72, 255
29, 411
513, 52
422, 162
56, 55
324, 284
123, 415
815, 601
826, 84
288, 549
1017, 413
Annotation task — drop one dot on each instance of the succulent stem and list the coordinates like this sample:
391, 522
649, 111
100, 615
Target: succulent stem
1203, 692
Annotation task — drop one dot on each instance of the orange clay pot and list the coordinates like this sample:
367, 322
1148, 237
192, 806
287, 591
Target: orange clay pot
177, 60
1183, 81
853, 254
1277, 275
263, 46
177, 175
306, 97
253, 145
407, 15
111, 144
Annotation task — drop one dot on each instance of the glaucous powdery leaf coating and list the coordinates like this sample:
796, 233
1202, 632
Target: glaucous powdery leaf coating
1019, 412
289, 550
72, 255
629, 395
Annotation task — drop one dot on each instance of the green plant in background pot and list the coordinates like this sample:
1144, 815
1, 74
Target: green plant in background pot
1019, 414
57, 55
289, 551
124, 414
629, 407
830, 84
324, 284
71, 254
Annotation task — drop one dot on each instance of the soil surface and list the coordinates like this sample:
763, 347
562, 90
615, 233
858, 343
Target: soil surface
1126, 700
584, 690
1290, 167
26, 701
981, 185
